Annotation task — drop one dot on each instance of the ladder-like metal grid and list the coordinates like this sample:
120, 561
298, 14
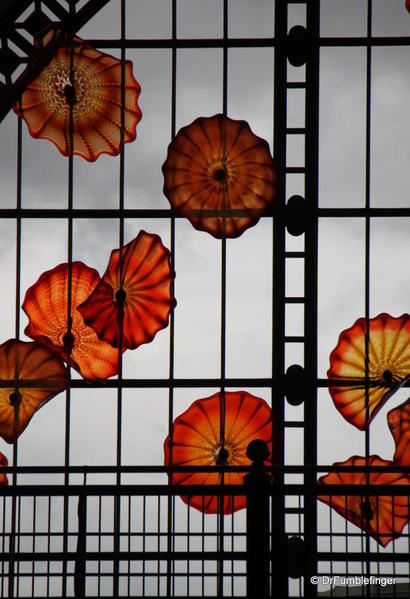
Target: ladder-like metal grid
138, 540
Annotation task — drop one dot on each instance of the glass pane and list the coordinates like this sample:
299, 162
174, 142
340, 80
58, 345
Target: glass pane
199, 19
342, 127
343, 19
390, 175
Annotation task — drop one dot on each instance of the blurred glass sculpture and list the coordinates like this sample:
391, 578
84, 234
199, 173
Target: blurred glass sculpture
36, 374
216, 431
69, 85
388, 368
383, 517
46, 304
399, 424
133, 300
3, 476
220, 175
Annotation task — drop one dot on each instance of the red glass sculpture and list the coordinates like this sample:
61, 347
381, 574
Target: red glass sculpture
46, 305
389, 365
197, 441
133, 300
67, 76
383, 517
220, 175
399, 424
35, 374
408, 5
3, 476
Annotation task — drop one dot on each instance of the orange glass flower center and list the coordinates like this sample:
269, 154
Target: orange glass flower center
68, 342
364, 506
221, 456
220, 174
15, 398
120, 297
388, 377
228, 454
69, 88
387, 372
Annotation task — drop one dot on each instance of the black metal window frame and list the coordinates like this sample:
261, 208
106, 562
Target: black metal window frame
285, 47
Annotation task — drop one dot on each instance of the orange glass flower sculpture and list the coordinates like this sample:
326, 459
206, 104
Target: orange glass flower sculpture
133, 300
383, 517
196, 441
3, 476
220, 175
46, 305
389, 366
67, 76
33, 375
399, 424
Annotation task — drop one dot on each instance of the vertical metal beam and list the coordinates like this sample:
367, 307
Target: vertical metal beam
311, 277
367, 253
257, 484
170, 499
80, 562
278, 564
222, 397
117, 498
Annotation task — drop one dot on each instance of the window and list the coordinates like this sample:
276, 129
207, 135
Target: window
89, 510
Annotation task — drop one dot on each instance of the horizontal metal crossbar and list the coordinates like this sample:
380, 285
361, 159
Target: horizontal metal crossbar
201, 490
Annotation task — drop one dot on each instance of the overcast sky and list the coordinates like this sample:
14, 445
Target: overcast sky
197, 254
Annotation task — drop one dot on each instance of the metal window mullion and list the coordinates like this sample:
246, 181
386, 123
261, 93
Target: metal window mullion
311, 278
171, 500
222, 400
161, 213
129, 503
367, 259
143, 541
33, 546
49, 504
70, 196
17, 335
99, 544
117, 499
279, 582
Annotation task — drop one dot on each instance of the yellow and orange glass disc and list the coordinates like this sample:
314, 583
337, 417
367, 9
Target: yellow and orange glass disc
36, 374
389, 365
399, 424
381, 517
70, 77
133, 300
3, 476
196, 441
220, 175
46, 305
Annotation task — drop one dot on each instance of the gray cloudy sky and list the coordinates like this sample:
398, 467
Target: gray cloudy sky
249, 258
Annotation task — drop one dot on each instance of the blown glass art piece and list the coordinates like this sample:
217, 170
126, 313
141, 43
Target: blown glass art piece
399, 424
389, 366
381, 517
3, 476
69, 77
36, 374
133, 300
408, 5
220, 175
197, 441
46, 305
